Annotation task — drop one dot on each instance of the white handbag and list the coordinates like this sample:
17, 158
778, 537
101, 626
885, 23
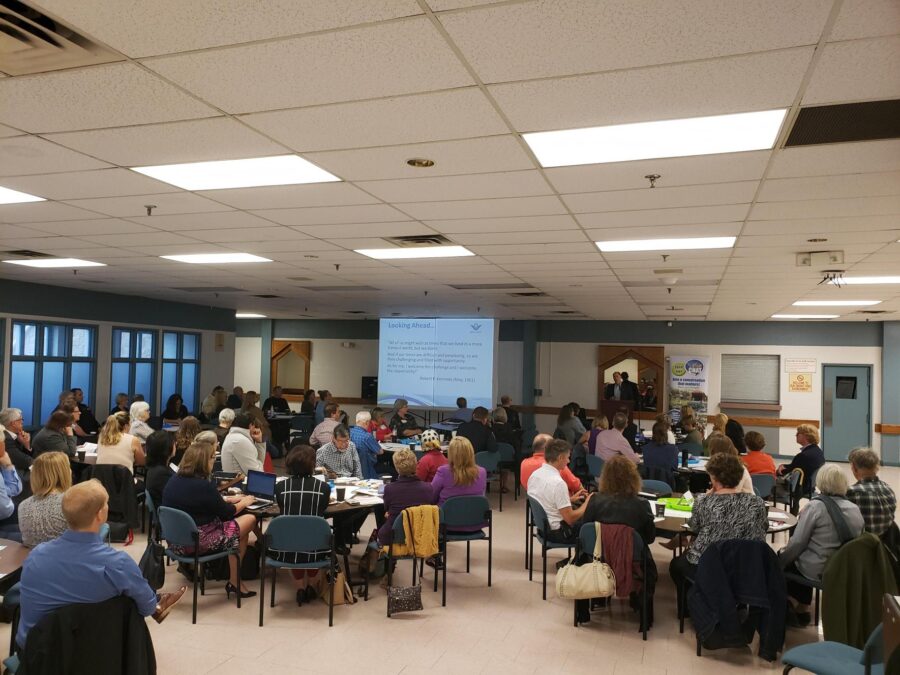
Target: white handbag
594, 579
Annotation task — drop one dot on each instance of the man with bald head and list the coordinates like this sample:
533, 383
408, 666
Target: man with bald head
533, 463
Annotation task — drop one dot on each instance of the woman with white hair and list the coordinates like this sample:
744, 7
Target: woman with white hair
368, 448
140, 413
827, 522
226, 417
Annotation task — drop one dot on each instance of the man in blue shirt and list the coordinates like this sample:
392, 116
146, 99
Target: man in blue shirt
10, 486
462, 413
78, 567
324, 399
366, 446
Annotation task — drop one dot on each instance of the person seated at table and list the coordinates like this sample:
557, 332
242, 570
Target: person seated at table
405, 492
368, 448
658, 452
301, 495
184, 436
220, 520
243, 449
718, 422
757, 460
324, 399
816, 537
10, 487
78, 567
875, 498
213, 404
379, 426
226, 417
478, 432
723, 513
235, 399
140, 414
402, 423
160, 451
537, 460
547, 488
461, 476
121, 403
116, 445
40, 516
56, 435
691, 430
735, 431
88, 421
339, 457
175, 411
433, 459
720, 444
251, 407
600, 423
810, 457
308, 404
463, 412
324, 429
569, 426
663, 418
501, 429
611, 442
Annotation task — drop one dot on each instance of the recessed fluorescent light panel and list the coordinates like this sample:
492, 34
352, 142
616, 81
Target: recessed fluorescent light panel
55, 262
680, 244
239, 173
652, 140
8, 196
805, 316
849, 281
411, 253
249, 315
836, 303
216, 258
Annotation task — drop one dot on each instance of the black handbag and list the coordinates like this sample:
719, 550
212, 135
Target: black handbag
153, 566
406, 598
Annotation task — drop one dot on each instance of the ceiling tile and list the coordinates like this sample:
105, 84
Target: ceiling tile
115, 94
100, 226
835, 159
6, 132
13, 232
485, 208
36, 212
359, 230
332, 214
165, 26
166, 204
737, 84
291, 196
481, 155
866, 18
860, 206
176, 142
85, 184
142, 239
539, 237
665, 231
680, 216
510, 224
855, 71
522, 41
479, 186
273, 234
443, 115
662, 197
816, 226
404, 57
23, 155
221, 220
831, 187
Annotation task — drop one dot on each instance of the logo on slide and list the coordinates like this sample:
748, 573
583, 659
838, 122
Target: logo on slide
476, 327
694, 367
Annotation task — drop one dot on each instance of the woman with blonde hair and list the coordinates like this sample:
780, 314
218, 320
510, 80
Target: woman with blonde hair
189, 427
718, 421
461, 476
40, 516
117, 446
600, 423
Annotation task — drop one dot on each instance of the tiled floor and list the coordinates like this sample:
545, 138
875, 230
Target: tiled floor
503, 629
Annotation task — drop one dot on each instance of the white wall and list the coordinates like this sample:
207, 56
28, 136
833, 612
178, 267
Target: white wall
247, 362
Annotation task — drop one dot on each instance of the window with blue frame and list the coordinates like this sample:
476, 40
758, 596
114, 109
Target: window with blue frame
180, 368
133, 368
46, 359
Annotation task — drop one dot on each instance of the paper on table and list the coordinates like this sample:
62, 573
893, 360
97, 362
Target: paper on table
778, 515
365, 500
89, 448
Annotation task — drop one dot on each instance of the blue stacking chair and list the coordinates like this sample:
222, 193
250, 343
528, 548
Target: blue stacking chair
508, 461
179, 529
472, 511
594, 464
763, 483
297, 534
587, 539
538, 528
398, 536
836, 658
657, 487
490, 462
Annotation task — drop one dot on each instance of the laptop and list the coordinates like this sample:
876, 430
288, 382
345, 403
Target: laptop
261, 486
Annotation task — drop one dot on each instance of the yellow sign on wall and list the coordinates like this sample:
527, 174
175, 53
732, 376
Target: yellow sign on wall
800, 382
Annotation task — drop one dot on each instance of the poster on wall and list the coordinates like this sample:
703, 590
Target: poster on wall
800, 382
688, 385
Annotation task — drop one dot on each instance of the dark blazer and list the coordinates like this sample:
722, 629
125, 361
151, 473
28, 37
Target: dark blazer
634, 512
20, 457
810, 459
481, 436
156, 480
628, 391
512, 418
88, 421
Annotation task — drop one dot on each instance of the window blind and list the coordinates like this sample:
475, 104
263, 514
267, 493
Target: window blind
751, 378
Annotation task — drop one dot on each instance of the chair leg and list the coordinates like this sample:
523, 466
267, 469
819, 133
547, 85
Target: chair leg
262, 588
816, 622
390, 576
490, 552
645, 619
468, 554
681, 594
272, 592
500, 490
443, 576
788, 668
238, 558
698, 646
330, 598
544, 560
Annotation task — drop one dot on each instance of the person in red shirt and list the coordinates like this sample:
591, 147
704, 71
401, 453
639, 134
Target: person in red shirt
433, 458
757, 460
533, 463
382, 431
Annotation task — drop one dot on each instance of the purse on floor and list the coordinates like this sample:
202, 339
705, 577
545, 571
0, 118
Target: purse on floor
406, 598
594, 579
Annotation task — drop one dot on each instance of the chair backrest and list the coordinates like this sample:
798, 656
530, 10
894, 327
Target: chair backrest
538, 515
891, 627
657, 474
795, 478
693, 448
470, 511
304, 423
587, 539
507, 452
151, 505
398, 535
298, 534
763, 484
489, 461
119, 484
178, 528
657, 487
594, 464
811, 488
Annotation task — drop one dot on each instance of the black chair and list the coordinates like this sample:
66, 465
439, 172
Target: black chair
125, 501
815, 584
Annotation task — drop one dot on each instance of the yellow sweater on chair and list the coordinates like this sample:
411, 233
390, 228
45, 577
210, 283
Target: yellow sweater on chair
425, 522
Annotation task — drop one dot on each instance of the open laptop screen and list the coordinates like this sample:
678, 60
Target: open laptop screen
261, 484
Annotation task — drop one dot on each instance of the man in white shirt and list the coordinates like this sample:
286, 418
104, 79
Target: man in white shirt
611, 442
549, 490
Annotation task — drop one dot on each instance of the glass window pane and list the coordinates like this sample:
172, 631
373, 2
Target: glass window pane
170, 345
83, 378
21, 389
55, 341
189, 385
144, 349
81, 342
143, 380
121, 344
169, 382
119, 380
189, 347
24, 340
51, 386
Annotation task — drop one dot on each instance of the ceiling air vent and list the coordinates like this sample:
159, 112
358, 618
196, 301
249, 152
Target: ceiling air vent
489, 287
529, 294
846, 122
207, 289
873, 311
339, 289
419, 240
299, 278
25, 253
355, 311
33, 42
267, 296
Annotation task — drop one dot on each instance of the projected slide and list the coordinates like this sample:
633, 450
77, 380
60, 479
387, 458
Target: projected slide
430, 362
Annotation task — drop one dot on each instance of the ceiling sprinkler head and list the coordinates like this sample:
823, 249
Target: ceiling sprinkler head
149, 208
653, 177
